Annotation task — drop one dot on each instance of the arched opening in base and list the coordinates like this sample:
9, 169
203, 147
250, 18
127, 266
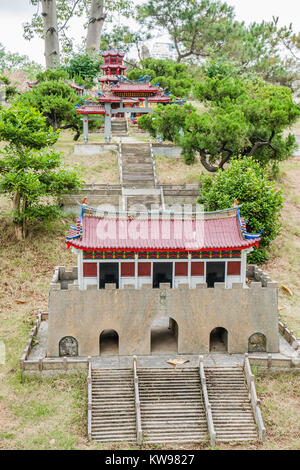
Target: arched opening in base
109, 343
164, 336
218, 341
257, 343
68, 346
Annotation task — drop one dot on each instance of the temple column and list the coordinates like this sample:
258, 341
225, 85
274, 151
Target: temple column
85, 128
244, 267
107, 122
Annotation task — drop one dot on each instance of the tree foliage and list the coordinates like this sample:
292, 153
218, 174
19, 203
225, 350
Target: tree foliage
173, 77
207, 29
55, 99
12, 61
242, 116
30, 171
84, 66
124, 38
245, 181
195, 27
166, 121
67, 10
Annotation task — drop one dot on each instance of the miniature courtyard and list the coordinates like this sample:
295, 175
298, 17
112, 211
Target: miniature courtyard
136, 318
180, 316
57, 349
158, 358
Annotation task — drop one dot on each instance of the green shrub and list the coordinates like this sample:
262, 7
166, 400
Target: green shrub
261, 200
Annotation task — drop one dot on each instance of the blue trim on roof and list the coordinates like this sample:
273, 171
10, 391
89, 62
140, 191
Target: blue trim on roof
246, 235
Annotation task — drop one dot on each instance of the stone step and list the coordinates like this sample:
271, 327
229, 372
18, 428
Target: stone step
113, 405
125, 426
231, 408
171, 405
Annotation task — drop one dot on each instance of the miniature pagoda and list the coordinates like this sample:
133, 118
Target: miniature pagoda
113, 66
120, 95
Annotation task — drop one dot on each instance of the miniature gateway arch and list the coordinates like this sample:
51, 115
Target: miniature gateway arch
133, 271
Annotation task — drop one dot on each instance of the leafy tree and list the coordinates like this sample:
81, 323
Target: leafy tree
242, 116
124, 39
55, 99
10, 91
94, 14
171, 76
245, 181
194, 26
84, 67
207, 29
166, 121
30, 171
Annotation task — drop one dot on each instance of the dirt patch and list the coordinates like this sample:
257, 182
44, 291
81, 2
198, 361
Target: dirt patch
283, 265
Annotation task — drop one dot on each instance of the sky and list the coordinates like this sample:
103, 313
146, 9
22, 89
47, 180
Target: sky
15, 12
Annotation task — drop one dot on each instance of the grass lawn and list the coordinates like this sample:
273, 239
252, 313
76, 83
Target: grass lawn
50, 413
175, 171
94, 168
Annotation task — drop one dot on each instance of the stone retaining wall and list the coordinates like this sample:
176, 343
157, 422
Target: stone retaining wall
94, 149
131, 312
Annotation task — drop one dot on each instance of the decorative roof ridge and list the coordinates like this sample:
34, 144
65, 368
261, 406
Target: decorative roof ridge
245, 234
162, 212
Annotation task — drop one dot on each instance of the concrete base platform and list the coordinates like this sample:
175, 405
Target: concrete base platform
160, 354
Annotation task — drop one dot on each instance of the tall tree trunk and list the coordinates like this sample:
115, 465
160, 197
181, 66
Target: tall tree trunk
16, 207
51, 33
96, 20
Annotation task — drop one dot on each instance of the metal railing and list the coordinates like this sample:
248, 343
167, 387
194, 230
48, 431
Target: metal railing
89, 381
207, 405
139, 436
120, 163
255, 402
162, 197
153, 163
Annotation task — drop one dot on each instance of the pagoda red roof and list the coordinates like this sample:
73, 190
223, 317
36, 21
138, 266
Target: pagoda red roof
159, 99
108, 78
91, 109
109, 98
113, 52
113, 66
121, 88
189, 235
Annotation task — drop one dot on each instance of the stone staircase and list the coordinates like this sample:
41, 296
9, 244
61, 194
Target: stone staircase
142, 198
138, 178
231, 409
137, 169
172, 409
113, 405
119, 128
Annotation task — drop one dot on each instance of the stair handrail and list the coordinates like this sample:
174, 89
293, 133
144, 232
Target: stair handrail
120, 161
207, 405
255, 402
89, 381
139, 435
162, 197
153, 163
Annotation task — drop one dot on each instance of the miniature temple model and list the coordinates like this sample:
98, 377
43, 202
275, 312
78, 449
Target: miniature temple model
119, 95
132, 272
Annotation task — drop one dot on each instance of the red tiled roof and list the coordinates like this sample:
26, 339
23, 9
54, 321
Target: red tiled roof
113, 66
109, 98
159, 99
134, 88
208, 234
88, 109
113, 52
